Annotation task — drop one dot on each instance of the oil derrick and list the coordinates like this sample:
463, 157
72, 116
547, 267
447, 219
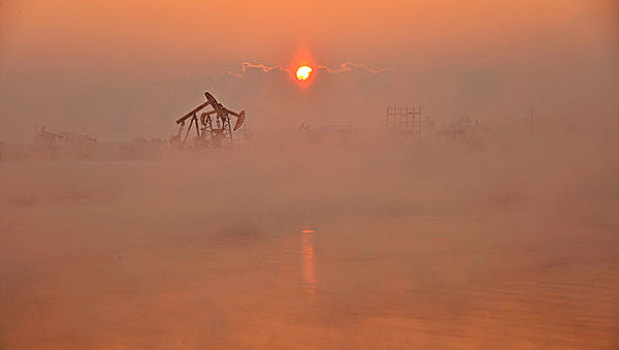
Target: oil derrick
404, 121
212, 128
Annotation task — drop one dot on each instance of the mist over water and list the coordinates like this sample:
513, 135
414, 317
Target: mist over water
495, 227
380, 243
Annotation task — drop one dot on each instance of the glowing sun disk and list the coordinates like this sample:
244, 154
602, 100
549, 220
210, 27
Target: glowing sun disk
303, 73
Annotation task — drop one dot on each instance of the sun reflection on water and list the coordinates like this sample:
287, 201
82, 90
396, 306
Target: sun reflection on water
307, 250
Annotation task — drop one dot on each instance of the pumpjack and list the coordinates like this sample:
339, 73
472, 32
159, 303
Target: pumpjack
64, 143
207, 134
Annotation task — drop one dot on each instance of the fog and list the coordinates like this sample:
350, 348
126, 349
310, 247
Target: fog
376, 243
491, 224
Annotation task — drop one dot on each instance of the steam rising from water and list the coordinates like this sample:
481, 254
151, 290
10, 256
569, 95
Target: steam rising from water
505, 238
431, 244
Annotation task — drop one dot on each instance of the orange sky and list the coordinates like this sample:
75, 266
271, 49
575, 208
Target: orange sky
192, 32
73, 46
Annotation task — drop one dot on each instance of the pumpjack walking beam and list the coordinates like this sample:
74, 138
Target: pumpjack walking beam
206, 133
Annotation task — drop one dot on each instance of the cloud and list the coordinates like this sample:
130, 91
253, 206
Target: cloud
342, 95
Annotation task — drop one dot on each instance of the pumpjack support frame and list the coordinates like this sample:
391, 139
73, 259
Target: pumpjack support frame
209, 132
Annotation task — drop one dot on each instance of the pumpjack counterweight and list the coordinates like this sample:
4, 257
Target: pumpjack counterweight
213, 128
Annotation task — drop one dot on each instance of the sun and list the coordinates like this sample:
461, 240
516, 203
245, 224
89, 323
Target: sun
303, 73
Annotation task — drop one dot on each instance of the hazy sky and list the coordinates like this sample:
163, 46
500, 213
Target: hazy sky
122, 69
